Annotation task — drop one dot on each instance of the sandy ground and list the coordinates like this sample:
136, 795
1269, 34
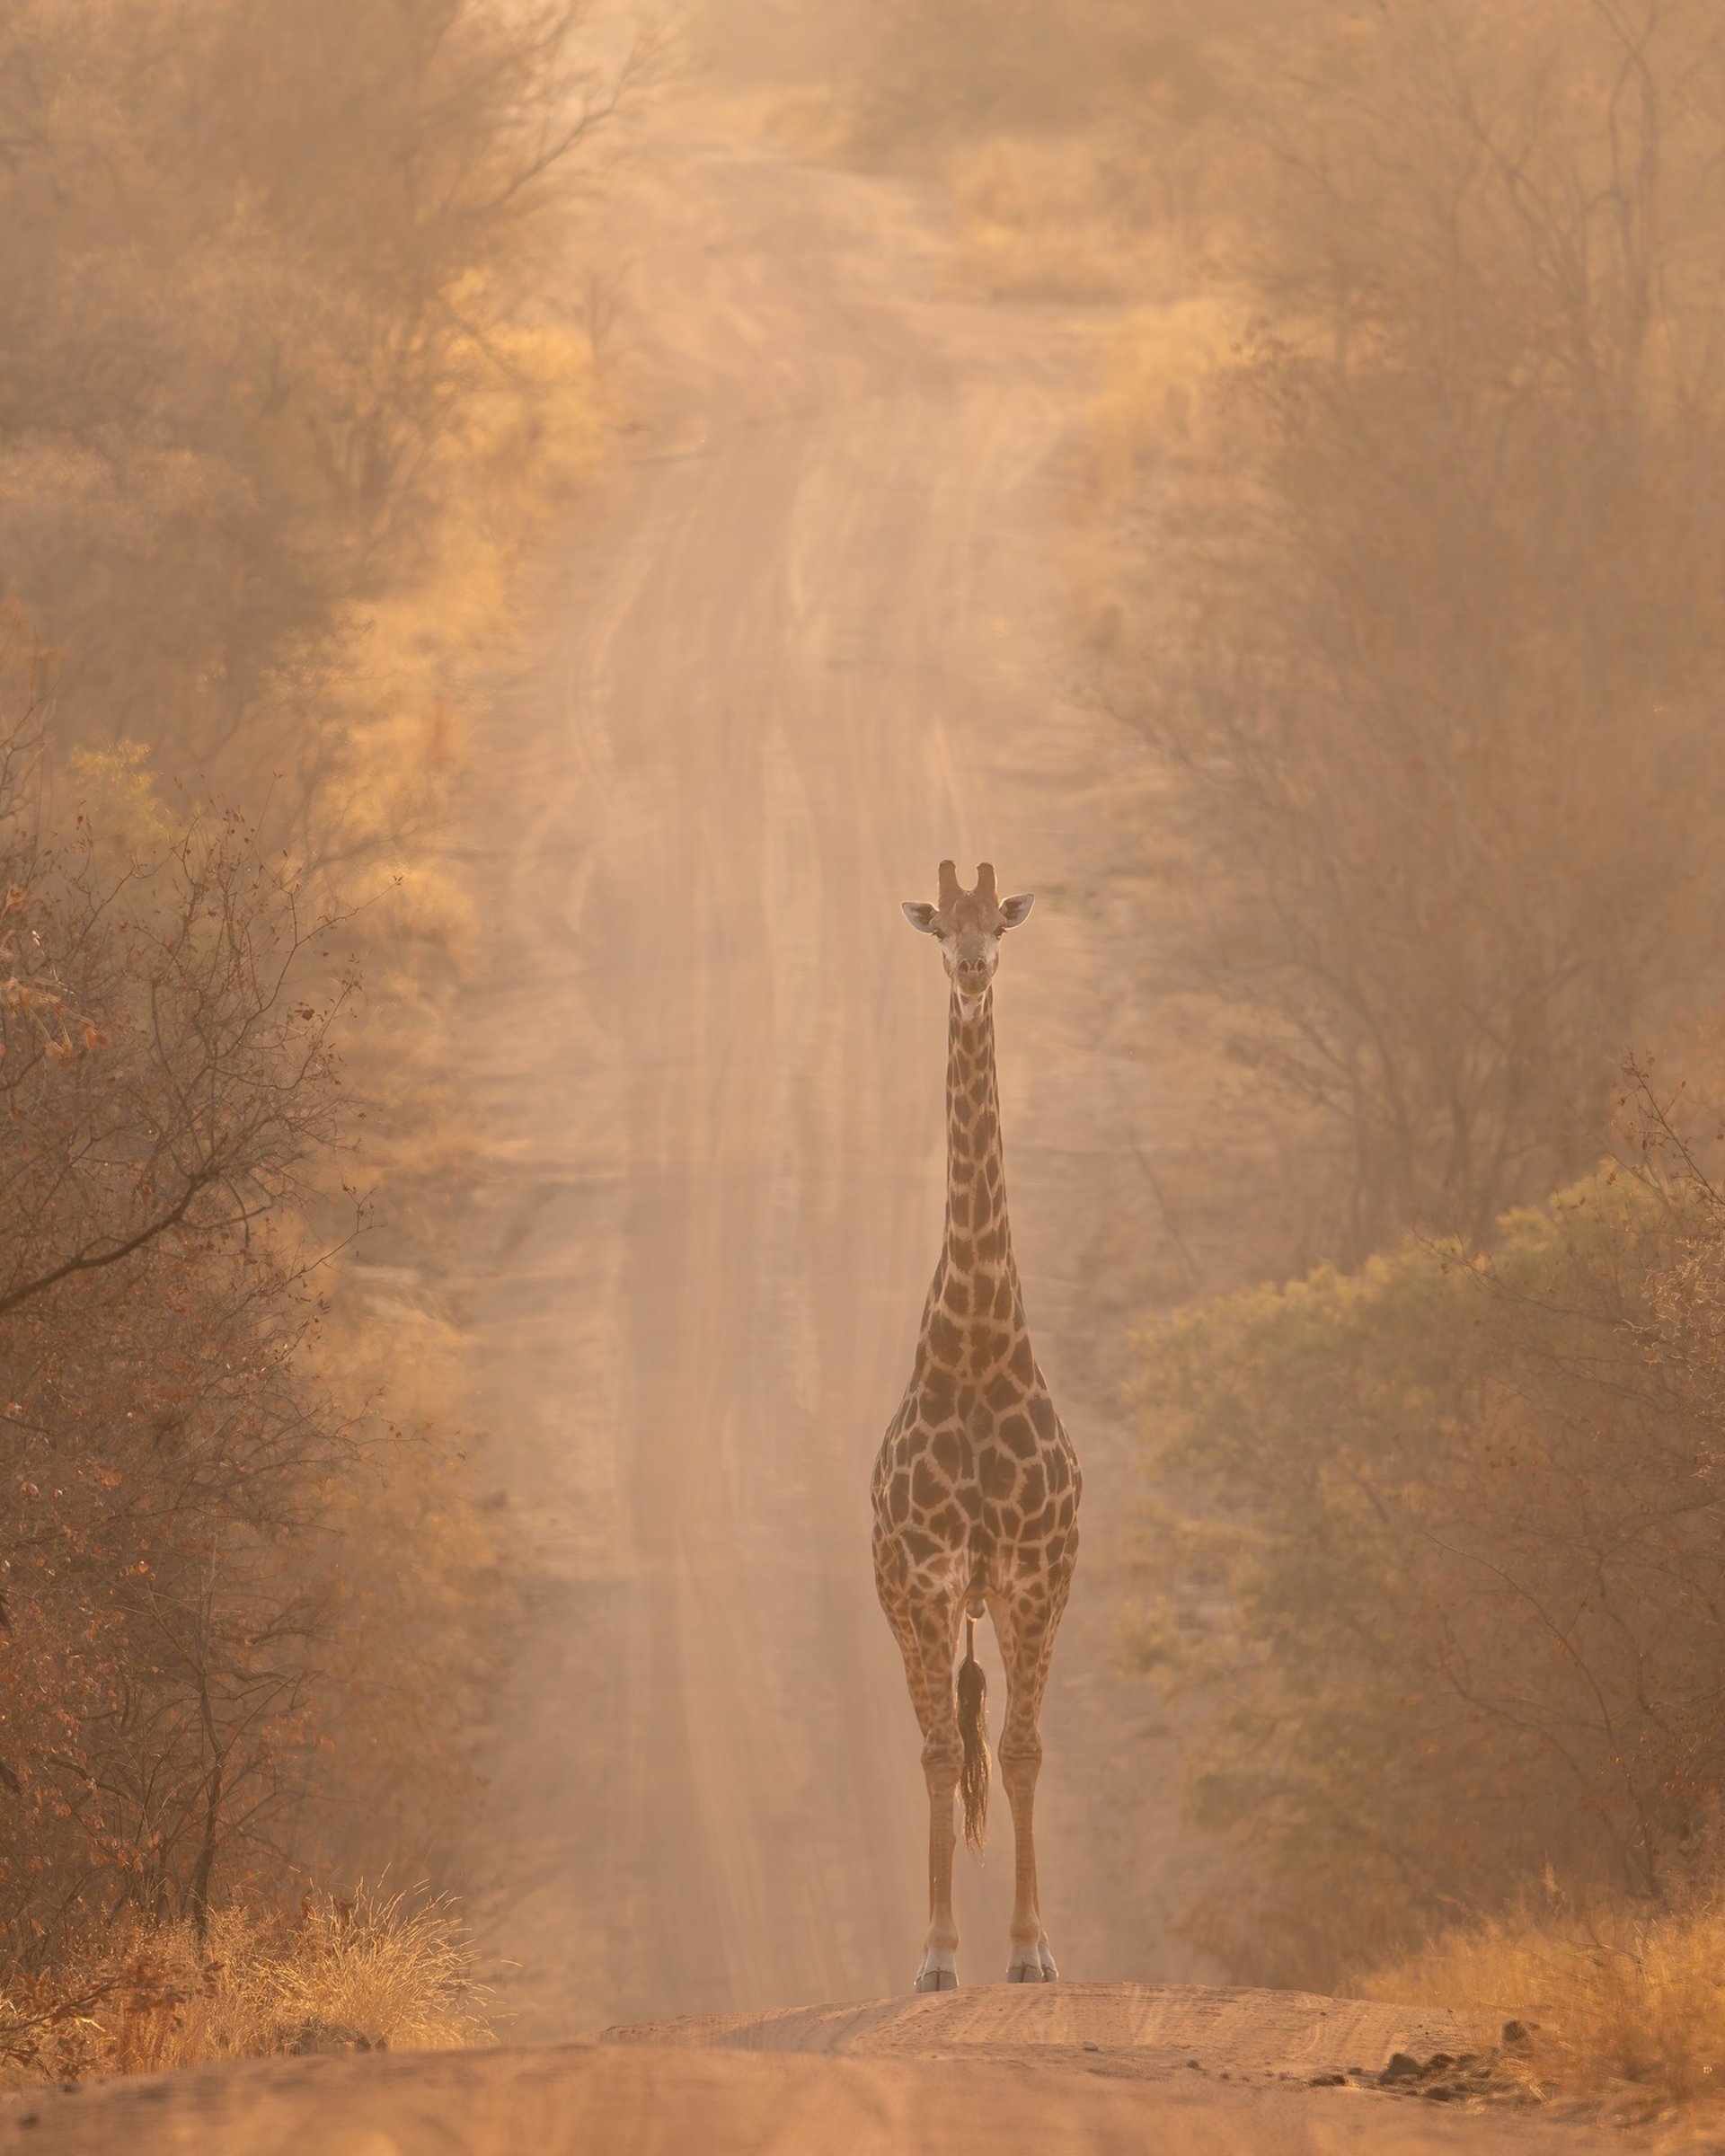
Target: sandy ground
1093, 2070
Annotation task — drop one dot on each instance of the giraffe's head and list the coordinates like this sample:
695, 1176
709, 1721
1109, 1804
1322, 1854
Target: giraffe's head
969, 926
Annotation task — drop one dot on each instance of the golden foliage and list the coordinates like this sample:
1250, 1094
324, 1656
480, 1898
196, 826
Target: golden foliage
1407, 566
293, 388
1440, 1541
373, 1972
1622, 2004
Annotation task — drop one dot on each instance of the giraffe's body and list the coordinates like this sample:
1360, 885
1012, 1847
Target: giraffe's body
976, 1488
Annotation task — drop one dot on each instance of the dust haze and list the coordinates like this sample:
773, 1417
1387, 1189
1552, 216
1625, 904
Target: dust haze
526, 532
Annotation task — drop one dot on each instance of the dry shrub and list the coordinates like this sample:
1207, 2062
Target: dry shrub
372, 1973
169, 1100
1438, 1545
1623, 2006
235, 1581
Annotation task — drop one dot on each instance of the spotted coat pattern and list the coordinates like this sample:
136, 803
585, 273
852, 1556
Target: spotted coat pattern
975, 1486
976, 1489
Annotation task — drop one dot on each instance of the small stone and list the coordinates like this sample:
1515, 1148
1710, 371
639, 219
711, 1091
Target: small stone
1356, 2070
1093, 2047
1515, 2033
1401, 2068
1194, 2066
1440, 2092
1328, 2081
1438, 2059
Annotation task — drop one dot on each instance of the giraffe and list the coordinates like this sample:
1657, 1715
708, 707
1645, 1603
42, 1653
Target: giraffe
975, 1486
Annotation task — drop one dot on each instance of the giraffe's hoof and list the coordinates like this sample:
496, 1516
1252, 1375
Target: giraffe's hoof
939, 1972
1032, 1965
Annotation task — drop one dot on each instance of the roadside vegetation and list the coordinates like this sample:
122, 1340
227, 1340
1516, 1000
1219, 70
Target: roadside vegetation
1425, 650
286, 387
366, 1973
1615, 2006
1447, 1528
1397, 544
1403, 536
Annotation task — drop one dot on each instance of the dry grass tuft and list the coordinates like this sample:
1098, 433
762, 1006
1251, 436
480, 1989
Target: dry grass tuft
372, 1974
1624, 2009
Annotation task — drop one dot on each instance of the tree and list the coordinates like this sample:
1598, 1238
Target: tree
168, 1096
263, 276
1444, 1542
1432, 630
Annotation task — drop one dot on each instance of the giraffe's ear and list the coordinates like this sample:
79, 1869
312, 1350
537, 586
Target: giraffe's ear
1014, 910
920, 915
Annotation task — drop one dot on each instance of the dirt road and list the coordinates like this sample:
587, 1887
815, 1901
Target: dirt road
799, 646
1102, 2070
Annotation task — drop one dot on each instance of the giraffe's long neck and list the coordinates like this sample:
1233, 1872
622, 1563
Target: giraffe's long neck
979, 1247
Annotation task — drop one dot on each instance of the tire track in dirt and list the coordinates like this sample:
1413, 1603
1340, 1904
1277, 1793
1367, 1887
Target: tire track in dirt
1096, 2069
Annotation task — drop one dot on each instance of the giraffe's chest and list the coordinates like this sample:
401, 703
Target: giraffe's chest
978, 1466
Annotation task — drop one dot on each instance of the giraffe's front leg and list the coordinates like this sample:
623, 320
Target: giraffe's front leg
925, 1624
1031, 1960
940, 1969
1032, 1617
941, 1756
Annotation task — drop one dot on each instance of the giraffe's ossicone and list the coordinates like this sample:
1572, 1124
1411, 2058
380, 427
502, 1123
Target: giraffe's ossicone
975, 1486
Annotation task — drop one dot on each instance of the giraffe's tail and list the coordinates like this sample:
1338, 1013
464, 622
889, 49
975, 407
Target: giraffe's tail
973, 1734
